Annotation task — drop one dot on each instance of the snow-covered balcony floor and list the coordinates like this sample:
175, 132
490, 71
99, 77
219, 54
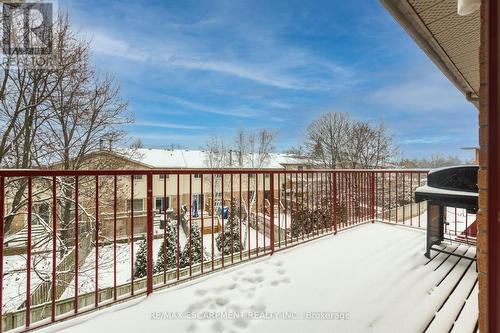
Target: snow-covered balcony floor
374, 277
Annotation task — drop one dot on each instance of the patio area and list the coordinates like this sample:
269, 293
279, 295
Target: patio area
371, 278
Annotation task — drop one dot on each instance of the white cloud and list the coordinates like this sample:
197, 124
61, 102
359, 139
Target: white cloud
230, 111
191, 54
106, 45
160, 124
239, 70
429, 140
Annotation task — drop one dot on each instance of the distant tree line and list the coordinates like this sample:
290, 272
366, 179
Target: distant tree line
435, 161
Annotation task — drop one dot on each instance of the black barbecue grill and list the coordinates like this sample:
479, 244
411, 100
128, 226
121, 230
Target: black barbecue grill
447, 187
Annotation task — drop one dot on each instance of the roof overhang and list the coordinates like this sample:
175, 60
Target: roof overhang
451, 41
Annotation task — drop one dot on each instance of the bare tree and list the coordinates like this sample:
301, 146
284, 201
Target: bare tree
216, 153
254, 148
58, 115
137, 144
240, 146
334, 140
24, 88
24, 109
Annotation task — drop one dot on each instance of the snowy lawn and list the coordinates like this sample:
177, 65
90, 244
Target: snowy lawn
372, 278
457, 218
14, 279
86, 273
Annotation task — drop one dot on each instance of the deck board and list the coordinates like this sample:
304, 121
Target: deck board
462, 280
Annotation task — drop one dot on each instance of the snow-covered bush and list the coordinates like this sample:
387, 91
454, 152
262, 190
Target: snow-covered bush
192, 249
166, 253
141, 261
231, 234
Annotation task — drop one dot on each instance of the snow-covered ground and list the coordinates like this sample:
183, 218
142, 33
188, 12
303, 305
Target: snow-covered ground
86, 276
86, 273
14, 278
14, 287
372, 278
15, 274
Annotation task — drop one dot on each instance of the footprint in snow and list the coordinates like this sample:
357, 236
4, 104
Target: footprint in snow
196, 306
224, 288
221, 301
200, 292
249, 279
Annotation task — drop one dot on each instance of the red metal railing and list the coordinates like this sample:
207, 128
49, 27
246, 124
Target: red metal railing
78, 240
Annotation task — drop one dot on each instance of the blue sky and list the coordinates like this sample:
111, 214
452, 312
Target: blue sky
191, 69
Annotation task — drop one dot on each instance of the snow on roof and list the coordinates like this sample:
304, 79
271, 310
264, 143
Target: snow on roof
196, 159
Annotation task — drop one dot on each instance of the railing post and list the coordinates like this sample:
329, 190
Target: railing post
372, 196
149, 236
271, 203
334, 176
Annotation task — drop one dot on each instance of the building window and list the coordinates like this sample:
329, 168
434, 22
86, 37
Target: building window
163, 176
218, 175
197, 175
138, 205
137, 177
300, 167
161, 202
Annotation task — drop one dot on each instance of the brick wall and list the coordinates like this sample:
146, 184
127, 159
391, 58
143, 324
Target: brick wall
482, 216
